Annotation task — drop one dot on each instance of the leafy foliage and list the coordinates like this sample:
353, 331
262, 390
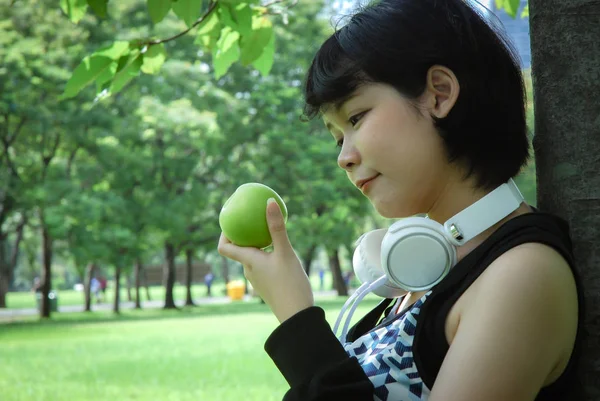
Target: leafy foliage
231, 30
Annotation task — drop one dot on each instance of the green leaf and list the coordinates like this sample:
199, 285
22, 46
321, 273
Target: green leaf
188, 10
254, 44
114, 51
99, 7
510, 6
75, 9
95, 66
209, 24
226, 52
103, 80
226, 17
239, 1
154, 58
243, 16
265, 62
129, 70
158, 9
513, 7
209, 30
525, 12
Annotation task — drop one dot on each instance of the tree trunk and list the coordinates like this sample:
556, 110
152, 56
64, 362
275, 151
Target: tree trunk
4, 269
117, 300
225, 269
8, 265
46, 270
336, 272
128, 283
307, 258
87, 286
146, 284
565, 53
189, 258
138, 282
169, 276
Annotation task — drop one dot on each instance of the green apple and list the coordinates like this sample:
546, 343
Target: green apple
243, 218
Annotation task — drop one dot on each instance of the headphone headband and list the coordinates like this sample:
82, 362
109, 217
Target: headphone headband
484, 213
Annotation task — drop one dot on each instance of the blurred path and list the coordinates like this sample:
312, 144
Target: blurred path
107, 306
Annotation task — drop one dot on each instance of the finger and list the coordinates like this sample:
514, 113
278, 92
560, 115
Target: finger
276, 224
244, 255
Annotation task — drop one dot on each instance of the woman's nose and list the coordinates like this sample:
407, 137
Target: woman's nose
349, 156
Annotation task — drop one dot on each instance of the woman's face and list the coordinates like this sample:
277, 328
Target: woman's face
383, 136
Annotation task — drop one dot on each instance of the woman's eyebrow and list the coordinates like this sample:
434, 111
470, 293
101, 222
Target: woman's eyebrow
337, 105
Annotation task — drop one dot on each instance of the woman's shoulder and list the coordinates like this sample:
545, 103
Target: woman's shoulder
529, 293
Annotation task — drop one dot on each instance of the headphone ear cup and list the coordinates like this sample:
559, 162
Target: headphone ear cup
366, 263
415, 254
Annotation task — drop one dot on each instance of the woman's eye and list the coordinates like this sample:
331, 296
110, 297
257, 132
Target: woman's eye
356, 118
339, 142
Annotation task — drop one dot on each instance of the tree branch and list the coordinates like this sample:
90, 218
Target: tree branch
272, 3
71, 159
17, 130
47, 159
8, 140
6, 123
180, 34
9, 160
292, 4
208, 11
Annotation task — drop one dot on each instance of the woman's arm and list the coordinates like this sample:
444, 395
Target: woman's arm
518, 334
313, 361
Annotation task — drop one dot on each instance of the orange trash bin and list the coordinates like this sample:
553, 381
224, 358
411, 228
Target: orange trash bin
235, 290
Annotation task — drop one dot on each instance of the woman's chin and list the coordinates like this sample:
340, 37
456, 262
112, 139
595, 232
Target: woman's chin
394, 211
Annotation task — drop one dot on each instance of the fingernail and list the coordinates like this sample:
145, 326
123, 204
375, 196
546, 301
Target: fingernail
270, 200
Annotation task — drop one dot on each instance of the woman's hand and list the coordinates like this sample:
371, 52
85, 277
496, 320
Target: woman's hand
278, 276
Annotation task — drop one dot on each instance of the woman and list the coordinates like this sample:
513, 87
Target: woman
426, 102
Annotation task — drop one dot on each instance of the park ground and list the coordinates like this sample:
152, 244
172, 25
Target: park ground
212, 351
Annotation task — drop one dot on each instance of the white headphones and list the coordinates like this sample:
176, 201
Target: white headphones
416, 253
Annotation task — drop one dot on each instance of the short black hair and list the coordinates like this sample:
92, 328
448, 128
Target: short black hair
395, 42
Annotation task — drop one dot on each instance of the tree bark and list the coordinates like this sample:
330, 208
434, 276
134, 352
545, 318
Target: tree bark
87, 286
8, 265
46, 270
138, 282
336, 272
146, 284
225, 269
307, 258
189, 258
117, 300
169, 276
4, 269
566, 80
128, 283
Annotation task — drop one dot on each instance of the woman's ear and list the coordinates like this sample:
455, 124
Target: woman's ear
441, 91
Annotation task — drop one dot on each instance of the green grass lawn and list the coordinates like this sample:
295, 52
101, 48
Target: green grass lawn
201, 353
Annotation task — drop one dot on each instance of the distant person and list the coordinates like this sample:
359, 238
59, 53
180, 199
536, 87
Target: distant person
95, 289
208, 280
347, 278
37, 285
103, 285
322, 279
